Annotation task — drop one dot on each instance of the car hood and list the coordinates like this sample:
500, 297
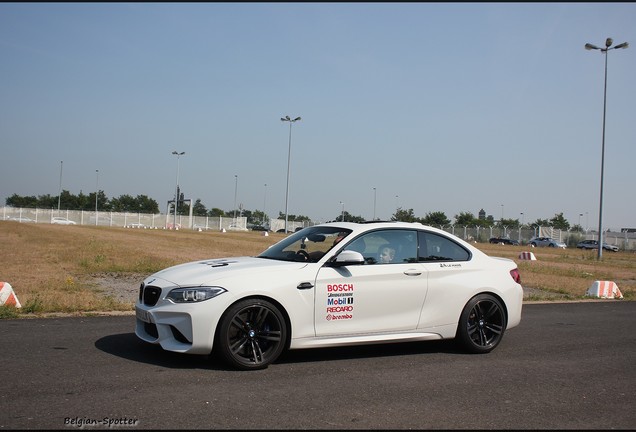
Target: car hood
210, 271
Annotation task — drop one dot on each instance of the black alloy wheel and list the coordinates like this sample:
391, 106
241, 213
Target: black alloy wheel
252, 334
481, 324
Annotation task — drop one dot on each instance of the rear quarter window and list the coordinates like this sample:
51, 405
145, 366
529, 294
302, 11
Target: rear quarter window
434, 247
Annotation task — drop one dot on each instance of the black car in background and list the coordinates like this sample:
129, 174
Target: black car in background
505, 241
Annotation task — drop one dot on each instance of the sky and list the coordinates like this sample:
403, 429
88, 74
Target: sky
434, 107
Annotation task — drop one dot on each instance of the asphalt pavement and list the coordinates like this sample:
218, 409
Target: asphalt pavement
566, 366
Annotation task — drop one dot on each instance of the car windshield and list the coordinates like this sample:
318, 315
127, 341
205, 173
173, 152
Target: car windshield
307, 245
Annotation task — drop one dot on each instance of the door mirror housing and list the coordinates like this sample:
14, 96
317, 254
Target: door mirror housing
347, 257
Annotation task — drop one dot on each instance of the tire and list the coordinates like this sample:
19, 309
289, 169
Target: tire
252, 334
481, 324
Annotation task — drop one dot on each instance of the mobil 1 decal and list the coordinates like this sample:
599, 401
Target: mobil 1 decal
339, 302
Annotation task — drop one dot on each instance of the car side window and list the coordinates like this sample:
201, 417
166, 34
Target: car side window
434, 247
386, 246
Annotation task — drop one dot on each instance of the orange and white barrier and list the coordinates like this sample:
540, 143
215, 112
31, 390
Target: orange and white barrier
7, 296
527, 256
604, 289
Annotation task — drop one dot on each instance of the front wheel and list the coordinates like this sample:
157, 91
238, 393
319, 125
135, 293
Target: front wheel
252, 334
481, 324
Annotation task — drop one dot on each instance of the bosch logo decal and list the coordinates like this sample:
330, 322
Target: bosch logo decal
339, 287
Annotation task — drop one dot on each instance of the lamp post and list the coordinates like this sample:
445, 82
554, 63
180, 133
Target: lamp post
342, 210
235, 189
374, 201
608, 46
290, 120
96, 193
59, 195
264, 207
176, 193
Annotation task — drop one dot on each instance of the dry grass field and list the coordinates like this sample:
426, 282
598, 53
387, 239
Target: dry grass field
84, 269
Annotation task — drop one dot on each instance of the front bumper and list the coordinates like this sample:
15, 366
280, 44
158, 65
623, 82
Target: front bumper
178, 327
179, 331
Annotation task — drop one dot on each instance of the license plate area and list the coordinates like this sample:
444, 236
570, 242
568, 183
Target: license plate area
143, 315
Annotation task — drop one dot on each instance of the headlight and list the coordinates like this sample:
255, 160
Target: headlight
193, 294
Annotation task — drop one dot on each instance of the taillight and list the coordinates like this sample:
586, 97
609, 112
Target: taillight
514, 273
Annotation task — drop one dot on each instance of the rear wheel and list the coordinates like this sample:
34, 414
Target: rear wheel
252, 334
481, 324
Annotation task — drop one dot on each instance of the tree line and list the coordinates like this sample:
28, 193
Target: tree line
439, 219
144, 204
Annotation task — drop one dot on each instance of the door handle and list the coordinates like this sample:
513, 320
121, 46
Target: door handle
412, 272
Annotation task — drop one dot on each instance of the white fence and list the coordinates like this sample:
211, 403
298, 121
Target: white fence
126, 219
624, 240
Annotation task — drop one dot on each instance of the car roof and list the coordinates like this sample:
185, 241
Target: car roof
359, 228
368, 226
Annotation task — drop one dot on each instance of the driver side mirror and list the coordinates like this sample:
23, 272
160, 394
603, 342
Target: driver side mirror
347, 257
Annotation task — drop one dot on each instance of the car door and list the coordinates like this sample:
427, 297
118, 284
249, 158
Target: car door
450, 271
372, 297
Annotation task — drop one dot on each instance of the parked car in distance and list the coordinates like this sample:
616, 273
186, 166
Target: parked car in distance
20, 219
593, 244
504, 241
332, 285
136, 225
546, 242
62, 221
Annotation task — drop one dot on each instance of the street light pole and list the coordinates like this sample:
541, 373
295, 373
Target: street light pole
608, 46
288, 119
235, 189
374, 201
342, 210
59, 195
96, 193
176, 192
264, 207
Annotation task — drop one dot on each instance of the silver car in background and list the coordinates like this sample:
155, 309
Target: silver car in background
593, 244
546, 242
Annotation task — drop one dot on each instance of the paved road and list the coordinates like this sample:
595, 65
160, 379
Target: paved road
567, 366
